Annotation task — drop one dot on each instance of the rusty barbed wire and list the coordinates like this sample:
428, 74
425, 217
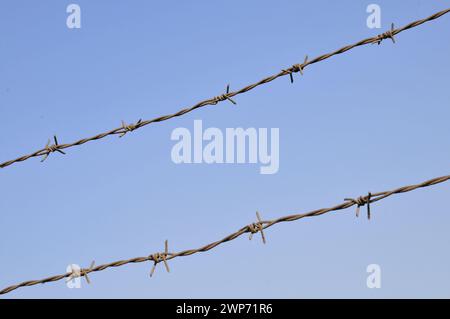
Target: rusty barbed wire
124, 129
252, 228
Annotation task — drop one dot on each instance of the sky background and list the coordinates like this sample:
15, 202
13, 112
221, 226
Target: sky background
372, 119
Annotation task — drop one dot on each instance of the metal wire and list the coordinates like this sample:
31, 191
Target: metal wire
124, 129
252, 228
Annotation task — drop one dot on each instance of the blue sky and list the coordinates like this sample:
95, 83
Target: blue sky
372, 119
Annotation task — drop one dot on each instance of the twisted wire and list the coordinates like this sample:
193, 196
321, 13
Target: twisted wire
252, 228
124, 129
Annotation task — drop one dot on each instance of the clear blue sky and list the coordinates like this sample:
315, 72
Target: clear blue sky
371, 120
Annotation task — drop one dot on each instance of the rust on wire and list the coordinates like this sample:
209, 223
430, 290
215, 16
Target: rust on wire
228, 95
259, 226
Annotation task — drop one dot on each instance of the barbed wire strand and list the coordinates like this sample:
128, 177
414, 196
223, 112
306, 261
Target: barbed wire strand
124, 129
252, 228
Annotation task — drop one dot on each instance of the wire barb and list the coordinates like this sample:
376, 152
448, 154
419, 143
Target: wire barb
297, 68
257, 227
386, 35
76, 273
51, 148
158, 257
129, 127
224, 97
84, 272
361, 201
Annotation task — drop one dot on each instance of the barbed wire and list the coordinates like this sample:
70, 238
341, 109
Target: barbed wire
253, 228
227, 96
